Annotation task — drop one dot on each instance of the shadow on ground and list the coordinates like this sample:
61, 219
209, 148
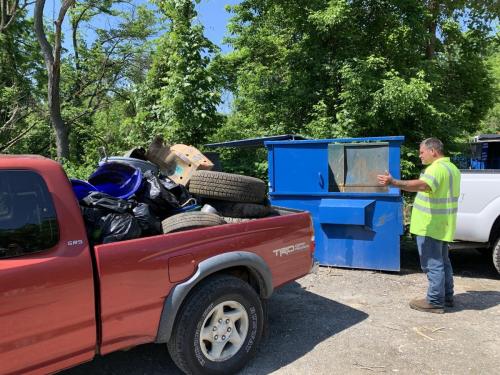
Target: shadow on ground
465, 262
147, 359
476, 300
298, 321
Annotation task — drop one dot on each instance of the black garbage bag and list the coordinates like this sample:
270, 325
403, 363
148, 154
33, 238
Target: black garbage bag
107, 202
179, 191
160, 200
91, 217
119, 227
149, 223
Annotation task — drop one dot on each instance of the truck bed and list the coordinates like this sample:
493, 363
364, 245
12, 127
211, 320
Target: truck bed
131, 302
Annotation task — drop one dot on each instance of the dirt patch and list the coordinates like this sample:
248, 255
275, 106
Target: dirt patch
359, 322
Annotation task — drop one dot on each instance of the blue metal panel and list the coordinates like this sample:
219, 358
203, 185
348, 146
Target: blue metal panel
355, 246
346, 212
353, 229
297, 167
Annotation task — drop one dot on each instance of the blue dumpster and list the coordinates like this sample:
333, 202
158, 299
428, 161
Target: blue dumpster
357, 223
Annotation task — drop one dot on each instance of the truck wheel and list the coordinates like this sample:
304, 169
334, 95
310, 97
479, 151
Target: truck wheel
218, 328
190, 220
243, 210
227, 186
496, 255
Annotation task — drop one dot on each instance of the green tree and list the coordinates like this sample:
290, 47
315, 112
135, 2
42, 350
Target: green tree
21, 74
101, 76
329, 68
181, 94
80, 82
491, 123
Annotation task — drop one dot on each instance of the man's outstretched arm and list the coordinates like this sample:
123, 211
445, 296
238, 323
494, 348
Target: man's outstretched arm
406, 185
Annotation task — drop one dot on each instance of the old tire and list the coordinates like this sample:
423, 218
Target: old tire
235, 220
190, 220
496, 254
218, 328
243, 210
227, 186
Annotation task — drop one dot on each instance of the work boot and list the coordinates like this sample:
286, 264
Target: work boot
449, 303
423, 305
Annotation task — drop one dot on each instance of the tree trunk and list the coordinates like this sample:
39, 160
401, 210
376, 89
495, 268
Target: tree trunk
52, 57
433, 7
54, 102
7, 13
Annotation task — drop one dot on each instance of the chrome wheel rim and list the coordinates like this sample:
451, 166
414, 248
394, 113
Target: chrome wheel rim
224, 331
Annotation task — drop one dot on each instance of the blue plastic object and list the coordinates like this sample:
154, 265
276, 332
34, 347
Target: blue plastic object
191, 207
82, 188
357, 223
117, 179
143, 165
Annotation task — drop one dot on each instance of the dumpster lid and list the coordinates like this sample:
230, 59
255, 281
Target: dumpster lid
486, 138
256, 142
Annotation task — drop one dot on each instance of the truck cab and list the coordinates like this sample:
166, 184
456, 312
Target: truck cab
478, 217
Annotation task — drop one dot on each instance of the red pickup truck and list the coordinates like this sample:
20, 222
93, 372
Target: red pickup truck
201, 292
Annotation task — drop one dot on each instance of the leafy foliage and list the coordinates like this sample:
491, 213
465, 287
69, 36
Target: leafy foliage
361, 68
181, 94
321, 68
491, 122
21, 74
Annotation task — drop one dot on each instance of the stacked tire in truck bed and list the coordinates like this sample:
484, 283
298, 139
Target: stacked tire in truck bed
236, 198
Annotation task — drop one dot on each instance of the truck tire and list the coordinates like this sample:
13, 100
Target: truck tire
218, 328
243, 210
227, 186
496, 254
190, 220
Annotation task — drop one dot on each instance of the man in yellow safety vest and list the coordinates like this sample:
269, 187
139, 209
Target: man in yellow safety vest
433, 221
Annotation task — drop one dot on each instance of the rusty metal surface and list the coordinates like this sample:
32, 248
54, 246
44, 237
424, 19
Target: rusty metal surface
354, 167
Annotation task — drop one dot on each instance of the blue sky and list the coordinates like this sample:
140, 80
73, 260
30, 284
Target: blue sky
213, 16
211, 13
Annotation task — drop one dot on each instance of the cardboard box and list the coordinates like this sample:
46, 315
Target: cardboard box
187, 160
179, 161
159, 153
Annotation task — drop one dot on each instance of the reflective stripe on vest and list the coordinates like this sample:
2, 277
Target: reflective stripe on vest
435, 211
432, 178
437, 200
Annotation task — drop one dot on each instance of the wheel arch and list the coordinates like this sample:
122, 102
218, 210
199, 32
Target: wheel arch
242, 264
495, 231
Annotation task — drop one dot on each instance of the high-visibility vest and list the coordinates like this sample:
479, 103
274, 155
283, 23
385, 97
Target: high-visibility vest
434, 213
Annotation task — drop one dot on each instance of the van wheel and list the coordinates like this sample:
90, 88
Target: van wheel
190, 220
227, 186
496, 255
219, 327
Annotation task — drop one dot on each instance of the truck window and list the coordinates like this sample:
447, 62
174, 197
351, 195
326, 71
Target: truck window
28, 220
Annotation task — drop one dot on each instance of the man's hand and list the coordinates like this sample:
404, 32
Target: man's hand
407, 185
385, 179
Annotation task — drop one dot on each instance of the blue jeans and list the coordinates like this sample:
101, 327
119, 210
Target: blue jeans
436, 265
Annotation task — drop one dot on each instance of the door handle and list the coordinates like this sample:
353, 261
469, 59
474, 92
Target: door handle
321, 180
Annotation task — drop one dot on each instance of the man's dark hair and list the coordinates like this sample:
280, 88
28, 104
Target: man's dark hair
433, 144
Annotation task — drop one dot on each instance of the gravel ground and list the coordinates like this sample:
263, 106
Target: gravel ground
359, 322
